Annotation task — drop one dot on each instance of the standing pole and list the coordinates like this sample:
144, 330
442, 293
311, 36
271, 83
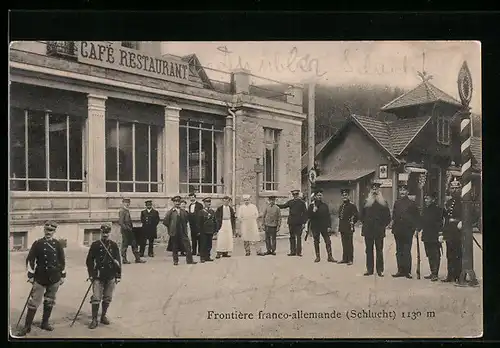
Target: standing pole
311, 141
467, 276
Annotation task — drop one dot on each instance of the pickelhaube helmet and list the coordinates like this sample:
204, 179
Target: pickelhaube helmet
455, 183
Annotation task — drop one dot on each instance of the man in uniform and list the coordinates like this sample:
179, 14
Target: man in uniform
46, 271
431, 227
348, 216
207, 227
126, 229
176, 221
321, 224
375, 216
296, 220
452, 232
104, 270
194, 208
271, 220
405, 221
150, 219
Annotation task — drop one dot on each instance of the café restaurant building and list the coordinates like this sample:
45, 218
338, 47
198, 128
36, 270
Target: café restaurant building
93, 122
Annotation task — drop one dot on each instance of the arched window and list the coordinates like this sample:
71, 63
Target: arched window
443, 129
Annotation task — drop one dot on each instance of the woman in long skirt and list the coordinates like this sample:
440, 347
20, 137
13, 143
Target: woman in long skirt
226, 227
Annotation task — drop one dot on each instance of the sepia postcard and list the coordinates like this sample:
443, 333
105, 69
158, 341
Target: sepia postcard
273, 189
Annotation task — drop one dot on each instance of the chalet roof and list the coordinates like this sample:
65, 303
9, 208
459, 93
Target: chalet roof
403, 131
424, 93
345, 175
195, 66
476, 150
318, 148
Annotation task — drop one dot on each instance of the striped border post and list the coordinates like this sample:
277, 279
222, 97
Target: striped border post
467, 276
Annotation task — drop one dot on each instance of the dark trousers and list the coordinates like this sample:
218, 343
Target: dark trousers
178, 240
271, 238
205, 245
295, 239
433, 252
347, 246
147, 238
403, 252
128, 239
195, 239
454, 258
370, 242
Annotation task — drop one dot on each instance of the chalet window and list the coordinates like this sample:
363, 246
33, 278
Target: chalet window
46, 151
271, 142
443, 130
61, 48
131, 44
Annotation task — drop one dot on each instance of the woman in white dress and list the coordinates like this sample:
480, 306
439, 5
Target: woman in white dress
248, 214
226, 227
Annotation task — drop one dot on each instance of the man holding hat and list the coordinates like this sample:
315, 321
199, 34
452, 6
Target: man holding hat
431, 227
321, 224
150, 219
176, 221
348, 216
271, 219
46, 264
452, 232
405, 221
226, 228
207, 228
126, 229
296, 219
104, 270
375, 216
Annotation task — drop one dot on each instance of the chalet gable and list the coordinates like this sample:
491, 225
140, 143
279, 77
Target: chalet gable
196, 70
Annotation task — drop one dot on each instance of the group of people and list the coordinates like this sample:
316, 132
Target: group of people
46, 259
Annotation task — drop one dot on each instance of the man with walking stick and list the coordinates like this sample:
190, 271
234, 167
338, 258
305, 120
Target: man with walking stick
104, 269
46, 264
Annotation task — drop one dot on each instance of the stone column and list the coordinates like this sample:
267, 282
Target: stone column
228, 155
171, 150
96, 143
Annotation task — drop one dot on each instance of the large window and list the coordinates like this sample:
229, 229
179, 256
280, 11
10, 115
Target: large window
200, 162
131, 157
443, 130
45, 151
271, 142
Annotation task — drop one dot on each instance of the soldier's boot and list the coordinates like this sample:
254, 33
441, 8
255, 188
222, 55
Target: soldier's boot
27, 324
104, 319
138, 258
95, 310
316, 250
124, 257
329, 252
47, 311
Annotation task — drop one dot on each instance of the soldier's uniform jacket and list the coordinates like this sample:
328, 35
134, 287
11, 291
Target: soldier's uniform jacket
406, 216
298, 211
124, 220
348, 216
320, 219
431, 223
99, 264
452, 210
208, 223
150, 220
46, 261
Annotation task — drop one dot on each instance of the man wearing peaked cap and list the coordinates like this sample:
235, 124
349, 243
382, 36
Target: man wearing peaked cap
431, 227
271, 220
296, 220
207, 199
150, 218
46, 264
207, 228
348, 216
320, 223
452, 232
126, 229
104, 270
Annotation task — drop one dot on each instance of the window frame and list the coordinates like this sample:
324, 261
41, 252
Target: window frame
443, 130
274, 182
47, 178
24, 236
92, 232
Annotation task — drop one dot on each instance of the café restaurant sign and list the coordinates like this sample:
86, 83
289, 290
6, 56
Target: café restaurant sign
112, 55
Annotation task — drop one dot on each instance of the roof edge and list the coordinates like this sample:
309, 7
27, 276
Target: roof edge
415, 135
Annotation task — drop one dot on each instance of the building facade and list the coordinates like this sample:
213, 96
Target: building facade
93, 122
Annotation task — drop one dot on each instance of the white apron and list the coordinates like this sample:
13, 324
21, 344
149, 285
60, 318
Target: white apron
225, 234
248, 214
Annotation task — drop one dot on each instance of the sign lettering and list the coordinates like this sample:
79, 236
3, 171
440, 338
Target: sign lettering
113, 56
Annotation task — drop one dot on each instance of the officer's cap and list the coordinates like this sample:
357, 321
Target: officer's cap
455, 183
106, 228
148, 201
207, 199
376, 184
50, 225
126, 200
345, 190
295, 192
176, 199
403, 186
226, 197
318, 190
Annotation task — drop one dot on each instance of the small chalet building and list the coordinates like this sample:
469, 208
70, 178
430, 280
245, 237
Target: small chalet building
424, 139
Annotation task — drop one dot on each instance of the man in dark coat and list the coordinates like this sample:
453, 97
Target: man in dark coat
207, 227
46, 265
320, 223
126, 229
104, 270
296, 220
375, 216
452, 232
405, 216
348, 216
150, 219
176, 221
431, 225
193, 210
